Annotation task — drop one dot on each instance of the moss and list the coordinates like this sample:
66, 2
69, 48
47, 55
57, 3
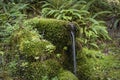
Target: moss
95, 65
66, 75
22, 34
30, 43
40, 48
55, 31
38, 70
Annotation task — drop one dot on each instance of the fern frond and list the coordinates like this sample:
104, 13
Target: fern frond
102, 12
89, 4
92, 20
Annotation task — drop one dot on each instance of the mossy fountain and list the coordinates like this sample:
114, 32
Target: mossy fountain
58, 32
41, 51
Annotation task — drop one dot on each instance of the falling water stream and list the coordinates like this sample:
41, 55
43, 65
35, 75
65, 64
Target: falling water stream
72, 32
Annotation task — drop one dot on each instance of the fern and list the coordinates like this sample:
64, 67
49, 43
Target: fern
64, 9
87, 7
92, 20
99, 13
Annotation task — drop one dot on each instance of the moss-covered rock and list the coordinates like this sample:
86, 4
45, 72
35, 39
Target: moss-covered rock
30, 43
38, 70
66, 75
55, 31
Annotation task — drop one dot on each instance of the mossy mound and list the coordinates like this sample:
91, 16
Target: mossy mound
40, 48
38, 70
95, 65
30, 43
66, 75
55, 31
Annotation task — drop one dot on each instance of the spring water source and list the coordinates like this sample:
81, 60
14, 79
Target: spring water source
72, 32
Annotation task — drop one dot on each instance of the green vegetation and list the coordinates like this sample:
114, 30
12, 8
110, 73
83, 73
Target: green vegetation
38, 70
66, 75
35, 39
96, 65
56, 31
60, 10
29, 43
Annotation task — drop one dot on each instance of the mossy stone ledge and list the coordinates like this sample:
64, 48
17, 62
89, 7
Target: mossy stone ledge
55, 31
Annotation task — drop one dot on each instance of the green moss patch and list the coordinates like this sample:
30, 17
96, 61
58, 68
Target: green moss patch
30, 43
38, 70
95, 65
66, 75
55, 31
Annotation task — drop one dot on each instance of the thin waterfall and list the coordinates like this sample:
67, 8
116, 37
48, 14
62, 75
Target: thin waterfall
72, 32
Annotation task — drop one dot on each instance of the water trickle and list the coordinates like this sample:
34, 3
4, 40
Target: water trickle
72, 32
